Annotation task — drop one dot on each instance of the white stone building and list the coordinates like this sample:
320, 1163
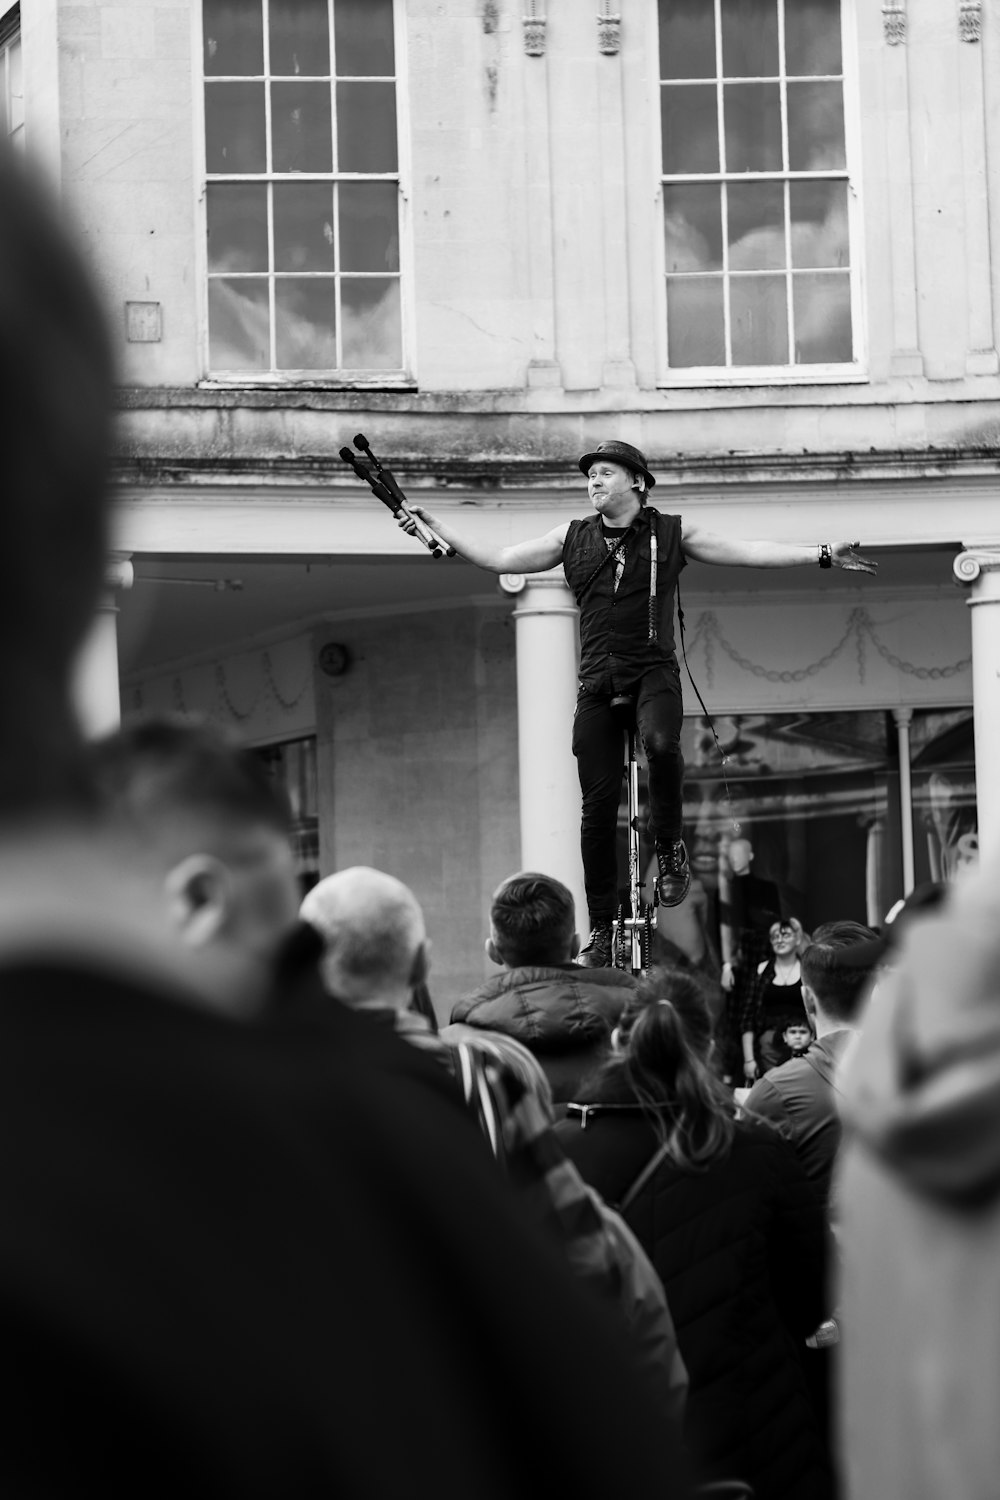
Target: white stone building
756, 238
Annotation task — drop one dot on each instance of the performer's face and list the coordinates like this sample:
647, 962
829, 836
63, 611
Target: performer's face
611, 489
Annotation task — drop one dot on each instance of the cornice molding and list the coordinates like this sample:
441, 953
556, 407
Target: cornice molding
491, 475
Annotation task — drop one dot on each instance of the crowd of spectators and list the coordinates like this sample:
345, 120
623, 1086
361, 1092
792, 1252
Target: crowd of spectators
280, 1221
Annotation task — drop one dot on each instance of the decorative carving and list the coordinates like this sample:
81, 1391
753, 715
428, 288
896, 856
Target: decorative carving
970, 20
968, 566
894, 22
118, 572
534, 36
860, 628
609, 34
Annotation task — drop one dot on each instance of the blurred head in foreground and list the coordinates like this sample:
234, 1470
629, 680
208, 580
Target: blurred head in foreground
55, 405
201, 822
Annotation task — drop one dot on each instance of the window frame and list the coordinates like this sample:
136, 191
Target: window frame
10, 32
856, 372
401, 378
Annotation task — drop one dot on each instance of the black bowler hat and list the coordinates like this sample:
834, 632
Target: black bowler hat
619, 453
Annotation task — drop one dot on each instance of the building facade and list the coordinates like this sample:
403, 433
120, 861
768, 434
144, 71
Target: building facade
755, 238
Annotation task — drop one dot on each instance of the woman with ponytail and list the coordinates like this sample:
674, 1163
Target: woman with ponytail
726, 1214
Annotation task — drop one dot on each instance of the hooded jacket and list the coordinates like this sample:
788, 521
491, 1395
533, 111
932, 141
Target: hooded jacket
919, 1195
562, 1013
740, 1250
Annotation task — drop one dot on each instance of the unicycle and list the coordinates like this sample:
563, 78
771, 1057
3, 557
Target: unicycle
636, 918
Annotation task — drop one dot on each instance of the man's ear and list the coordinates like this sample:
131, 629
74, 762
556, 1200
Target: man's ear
493, 953
574, 946
199, 898
809, 1003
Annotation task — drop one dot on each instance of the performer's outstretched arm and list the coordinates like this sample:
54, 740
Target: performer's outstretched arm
535, 556
711, 547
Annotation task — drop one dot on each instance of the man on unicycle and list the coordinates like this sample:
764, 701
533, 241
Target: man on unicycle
622, 564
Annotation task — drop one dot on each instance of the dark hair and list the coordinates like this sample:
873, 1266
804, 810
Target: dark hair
533, 920
838, 986
55, 415
148, 773
666, 1043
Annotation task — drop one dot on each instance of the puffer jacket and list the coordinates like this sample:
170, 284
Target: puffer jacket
741, 1251
564, 1014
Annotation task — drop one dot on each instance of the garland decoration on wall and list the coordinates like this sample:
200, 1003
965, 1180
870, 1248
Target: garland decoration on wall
860, 627
267, 687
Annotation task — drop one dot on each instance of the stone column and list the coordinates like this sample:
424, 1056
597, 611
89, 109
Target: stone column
95, 685
980, 568
904, 718
547, 660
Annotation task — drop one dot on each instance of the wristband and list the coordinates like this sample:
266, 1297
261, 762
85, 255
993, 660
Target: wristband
825, 555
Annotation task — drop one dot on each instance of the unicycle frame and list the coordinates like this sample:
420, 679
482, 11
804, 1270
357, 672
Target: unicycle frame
636, 917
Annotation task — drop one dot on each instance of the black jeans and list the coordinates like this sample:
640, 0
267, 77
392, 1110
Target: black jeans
598, 744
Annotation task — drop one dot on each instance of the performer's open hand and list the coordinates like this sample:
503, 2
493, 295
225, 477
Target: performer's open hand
845, 555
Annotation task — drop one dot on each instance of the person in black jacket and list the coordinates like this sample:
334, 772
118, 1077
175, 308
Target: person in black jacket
733, 1228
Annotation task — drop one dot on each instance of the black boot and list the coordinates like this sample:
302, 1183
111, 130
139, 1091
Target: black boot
597, 954
675, 873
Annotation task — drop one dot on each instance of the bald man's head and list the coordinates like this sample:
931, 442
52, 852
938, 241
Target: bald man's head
373, 935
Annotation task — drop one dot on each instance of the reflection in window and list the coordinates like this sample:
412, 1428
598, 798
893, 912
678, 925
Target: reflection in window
291, 764
817, 795
755, 183
11, 79
302, 190
945, 820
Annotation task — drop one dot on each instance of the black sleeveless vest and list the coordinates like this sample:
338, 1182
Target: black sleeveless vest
614, 623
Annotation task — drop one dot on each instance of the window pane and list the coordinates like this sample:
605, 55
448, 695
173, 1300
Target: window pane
758, 320
305, 323
16, 87
822, 318
817, 820
819, 223
234, 36
303, 226
750, 38
300, 127
756, 226
237, 226
372, 337
234, 127
692, 226
753, 127
363, 38
812, 37
299, 36
815, 127
238, 333
687, 39
366, 127
369, 226
696, 333
690, 126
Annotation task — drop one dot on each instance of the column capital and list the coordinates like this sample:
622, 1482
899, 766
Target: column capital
971, 564
902, 717
119, 572
540, 593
